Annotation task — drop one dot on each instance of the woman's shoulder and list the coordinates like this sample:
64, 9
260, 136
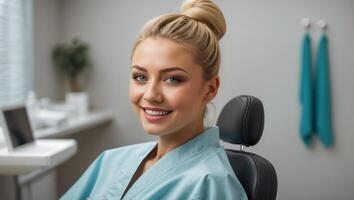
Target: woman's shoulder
213, 160
213, 173
211, 163
210, 176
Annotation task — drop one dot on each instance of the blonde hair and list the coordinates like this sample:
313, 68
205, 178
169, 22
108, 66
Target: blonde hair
198, 27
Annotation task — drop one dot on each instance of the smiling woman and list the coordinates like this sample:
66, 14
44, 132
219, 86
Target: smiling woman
174, 75
180, 89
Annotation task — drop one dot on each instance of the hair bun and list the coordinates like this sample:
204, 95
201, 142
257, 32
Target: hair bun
207, 12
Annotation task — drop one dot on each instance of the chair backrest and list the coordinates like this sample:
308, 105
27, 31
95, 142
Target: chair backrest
241, 121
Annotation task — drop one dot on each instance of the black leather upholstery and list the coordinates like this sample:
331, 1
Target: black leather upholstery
241, 121
256, 174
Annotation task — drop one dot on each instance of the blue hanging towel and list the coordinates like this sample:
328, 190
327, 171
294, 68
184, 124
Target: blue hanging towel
323, 98
306, 92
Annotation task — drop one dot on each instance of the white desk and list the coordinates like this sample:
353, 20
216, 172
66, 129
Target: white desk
25, 160
17, 162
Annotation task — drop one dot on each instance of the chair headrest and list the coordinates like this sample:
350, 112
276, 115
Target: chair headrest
241, 120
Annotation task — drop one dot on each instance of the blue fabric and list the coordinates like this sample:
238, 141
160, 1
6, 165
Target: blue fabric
323, 100
197, 169
306, 92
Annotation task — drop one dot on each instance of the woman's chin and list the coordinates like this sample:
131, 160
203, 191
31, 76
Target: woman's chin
153, 129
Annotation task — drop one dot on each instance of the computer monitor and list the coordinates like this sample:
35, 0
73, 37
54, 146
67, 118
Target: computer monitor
16, 125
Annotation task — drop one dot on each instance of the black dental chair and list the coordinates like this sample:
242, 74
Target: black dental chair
241, 122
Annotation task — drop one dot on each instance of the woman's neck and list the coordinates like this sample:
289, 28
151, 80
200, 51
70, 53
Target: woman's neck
168, 142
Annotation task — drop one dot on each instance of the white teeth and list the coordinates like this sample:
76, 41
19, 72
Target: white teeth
151, 112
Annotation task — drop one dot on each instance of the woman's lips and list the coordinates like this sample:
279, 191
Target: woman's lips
155, 118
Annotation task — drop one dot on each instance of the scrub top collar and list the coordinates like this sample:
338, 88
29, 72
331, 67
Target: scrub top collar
209, 138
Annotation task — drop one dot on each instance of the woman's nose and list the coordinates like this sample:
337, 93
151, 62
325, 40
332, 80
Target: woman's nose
153, 93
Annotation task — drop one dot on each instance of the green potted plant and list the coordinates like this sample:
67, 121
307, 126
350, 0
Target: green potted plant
72, 59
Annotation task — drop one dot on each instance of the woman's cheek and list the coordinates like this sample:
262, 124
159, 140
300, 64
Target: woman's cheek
131, 93
134, 93
181, 98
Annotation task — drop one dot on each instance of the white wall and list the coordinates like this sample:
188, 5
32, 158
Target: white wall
260, 53
47, 32
261, 57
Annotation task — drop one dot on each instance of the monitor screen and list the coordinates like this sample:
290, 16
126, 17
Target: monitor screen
19, 127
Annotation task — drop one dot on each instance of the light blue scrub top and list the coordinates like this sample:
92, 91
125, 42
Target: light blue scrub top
197, 169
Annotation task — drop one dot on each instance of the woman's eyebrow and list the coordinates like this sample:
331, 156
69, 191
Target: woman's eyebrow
162, 70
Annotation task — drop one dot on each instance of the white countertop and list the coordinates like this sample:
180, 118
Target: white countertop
43, 154
27, 160
93, 119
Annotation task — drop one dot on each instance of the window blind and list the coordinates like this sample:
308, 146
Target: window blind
15, 50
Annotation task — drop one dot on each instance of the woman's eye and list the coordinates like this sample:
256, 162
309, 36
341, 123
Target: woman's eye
138, 77
173, 79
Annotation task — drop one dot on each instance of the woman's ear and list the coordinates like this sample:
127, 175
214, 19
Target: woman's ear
213, 87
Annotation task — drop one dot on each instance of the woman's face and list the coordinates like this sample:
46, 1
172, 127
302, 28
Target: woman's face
164, 77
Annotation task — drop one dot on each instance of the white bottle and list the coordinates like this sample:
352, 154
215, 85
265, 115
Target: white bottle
32, 107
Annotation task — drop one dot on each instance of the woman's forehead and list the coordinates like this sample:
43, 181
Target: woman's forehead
162, 53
